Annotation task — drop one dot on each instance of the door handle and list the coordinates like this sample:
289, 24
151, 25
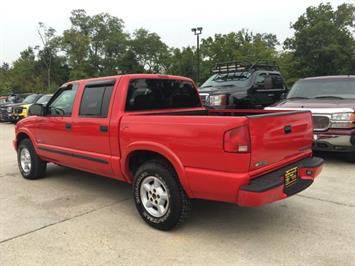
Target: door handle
67, 126
103, 128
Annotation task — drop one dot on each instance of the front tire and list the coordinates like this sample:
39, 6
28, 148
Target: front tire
158, 195
30, 165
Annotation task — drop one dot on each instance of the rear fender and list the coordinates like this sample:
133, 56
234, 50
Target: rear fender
163, 151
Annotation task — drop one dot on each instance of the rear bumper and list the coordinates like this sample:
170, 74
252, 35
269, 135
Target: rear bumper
333, 141
270, 187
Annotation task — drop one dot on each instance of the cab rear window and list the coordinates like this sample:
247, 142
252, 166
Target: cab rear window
150, 94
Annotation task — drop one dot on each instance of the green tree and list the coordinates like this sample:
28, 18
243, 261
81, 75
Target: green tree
323, 43
4, 79
24, 76
94, 45
243, 46
47, 35
181, 62
150, 51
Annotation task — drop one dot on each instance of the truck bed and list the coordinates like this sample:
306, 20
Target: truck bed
195, 139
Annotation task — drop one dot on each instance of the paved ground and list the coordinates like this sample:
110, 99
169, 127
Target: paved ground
72, 217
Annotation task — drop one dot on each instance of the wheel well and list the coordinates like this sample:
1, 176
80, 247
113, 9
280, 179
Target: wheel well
137, 158
21, 137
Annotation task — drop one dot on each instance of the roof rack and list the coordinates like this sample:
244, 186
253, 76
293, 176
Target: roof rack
235, 66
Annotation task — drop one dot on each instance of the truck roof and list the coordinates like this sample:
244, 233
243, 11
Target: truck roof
138, 76
331, 77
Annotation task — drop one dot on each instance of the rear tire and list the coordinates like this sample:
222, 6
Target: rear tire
30, 165
158, 195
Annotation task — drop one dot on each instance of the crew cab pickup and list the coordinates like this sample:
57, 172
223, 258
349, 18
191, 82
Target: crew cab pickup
151, 131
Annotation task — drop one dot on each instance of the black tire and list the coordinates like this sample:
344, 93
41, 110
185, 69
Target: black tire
178, 205
38, 167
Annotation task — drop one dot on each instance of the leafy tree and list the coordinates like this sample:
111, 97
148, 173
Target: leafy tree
243, 46
94, 45
323, 43
150, 51
49, 48
24, 75
4, 79
130, 64
181, 62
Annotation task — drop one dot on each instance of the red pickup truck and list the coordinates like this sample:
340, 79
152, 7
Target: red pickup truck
152, 131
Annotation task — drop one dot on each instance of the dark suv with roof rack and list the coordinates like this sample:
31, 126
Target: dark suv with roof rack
236, 85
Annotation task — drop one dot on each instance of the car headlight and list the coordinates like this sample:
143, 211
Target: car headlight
217, 100
9, 109
341, 116
342, 120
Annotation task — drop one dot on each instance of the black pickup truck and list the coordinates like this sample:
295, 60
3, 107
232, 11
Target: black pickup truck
236, 85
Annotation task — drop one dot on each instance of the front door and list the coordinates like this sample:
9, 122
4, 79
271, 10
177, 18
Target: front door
53, 130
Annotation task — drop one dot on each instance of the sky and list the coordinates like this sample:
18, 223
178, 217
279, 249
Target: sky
171, 20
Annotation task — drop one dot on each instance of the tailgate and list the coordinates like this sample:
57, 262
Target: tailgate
279, 136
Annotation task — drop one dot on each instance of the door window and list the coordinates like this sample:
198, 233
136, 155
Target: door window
62, 104
260, 80
95, 101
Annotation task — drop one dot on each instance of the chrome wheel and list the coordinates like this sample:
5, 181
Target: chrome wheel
25, 160
154, 196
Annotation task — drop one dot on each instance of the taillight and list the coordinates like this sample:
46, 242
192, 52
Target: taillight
237, 140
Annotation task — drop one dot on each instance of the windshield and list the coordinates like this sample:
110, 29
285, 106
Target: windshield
30, 98
238, 79
44, 99
323, 88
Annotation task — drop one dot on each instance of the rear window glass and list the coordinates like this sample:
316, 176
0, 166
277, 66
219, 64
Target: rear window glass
150, 94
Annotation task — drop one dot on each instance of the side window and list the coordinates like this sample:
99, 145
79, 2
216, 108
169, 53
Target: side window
277, 82
260, 80
95, 101
62, 104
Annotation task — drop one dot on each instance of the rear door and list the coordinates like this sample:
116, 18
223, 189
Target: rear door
279, 136
91, 127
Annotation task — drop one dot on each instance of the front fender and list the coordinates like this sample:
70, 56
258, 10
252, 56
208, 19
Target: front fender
23, 130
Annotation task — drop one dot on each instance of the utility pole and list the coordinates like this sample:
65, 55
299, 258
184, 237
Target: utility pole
197, 31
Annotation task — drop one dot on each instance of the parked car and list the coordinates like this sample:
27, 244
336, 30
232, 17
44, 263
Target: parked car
151, 131
236, 85
7, 111
331, 99
10, 101
3, 99
21, 111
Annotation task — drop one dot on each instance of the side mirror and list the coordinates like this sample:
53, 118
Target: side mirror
268, 83
36, 109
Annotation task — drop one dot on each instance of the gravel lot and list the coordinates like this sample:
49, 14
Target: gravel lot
71, 217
